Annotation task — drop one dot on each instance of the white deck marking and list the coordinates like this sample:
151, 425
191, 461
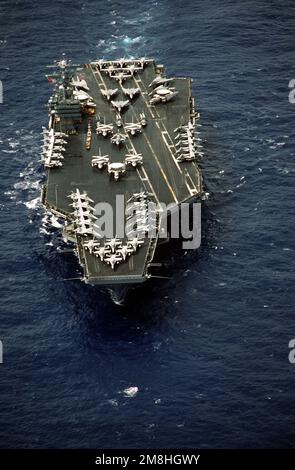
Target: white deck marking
158, 125
146, 178
152, 150
137, 81
193, 184
172, 143
175, 161
132, 146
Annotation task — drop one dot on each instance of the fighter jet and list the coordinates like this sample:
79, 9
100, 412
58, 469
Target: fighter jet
133, 159
141, 195
164, 91
51, 133
118, 139
59, 148
81, 222
56, 161
47, 139
131, 221
104, 129
131, 92
181, 142
133, 127
183, 150
86, 210
137, 205
132, 68
109, 93
185, 157
81, 95
85, 216
135, 242
53, 164
101, 252
109, 70
80, 83
161, 90
46, 147
181, 137
142, 119
103, 64
141, 62
141, 212
141, 231
181, 129
84, 197
60, 141
120, 63
57, 156
121, 76
189, 127
100, 161
90, 245
84, 231
155, 99
130, 214
119, 105
124, 251
170, 96
113, 259
77, 196
60, 137
83, 204
113, 244
60, 134
160, 81
119, 120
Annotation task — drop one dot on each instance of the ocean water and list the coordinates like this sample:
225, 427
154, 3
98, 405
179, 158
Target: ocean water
199, 360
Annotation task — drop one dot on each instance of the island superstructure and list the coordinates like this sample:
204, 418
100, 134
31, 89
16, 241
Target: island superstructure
118, 128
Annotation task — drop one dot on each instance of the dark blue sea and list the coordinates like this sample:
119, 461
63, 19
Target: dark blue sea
208, 348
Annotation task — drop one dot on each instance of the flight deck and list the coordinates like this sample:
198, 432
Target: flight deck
119, 128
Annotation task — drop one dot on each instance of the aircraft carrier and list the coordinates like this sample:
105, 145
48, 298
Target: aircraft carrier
122, 133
